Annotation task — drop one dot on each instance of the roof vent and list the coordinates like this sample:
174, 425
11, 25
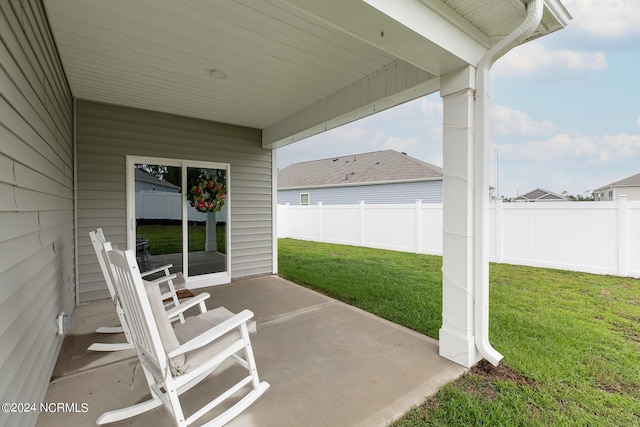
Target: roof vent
404, 153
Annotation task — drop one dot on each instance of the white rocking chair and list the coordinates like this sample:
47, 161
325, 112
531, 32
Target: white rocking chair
98, 240
175, 359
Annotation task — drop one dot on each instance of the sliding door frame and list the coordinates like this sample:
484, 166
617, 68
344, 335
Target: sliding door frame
191, 281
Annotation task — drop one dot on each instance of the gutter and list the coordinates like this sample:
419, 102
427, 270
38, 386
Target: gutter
481, 178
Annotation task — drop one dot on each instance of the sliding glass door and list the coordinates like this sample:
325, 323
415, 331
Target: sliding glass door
178, 214
207, 230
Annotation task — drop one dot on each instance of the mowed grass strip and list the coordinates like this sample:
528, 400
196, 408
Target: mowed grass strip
571, 341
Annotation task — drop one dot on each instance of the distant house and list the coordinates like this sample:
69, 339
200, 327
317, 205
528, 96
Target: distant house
539, 195
147, 182
629, 186
156, 199
377, 177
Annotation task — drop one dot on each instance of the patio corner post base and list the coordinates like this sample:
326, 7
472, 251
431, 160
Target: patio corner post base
458, 349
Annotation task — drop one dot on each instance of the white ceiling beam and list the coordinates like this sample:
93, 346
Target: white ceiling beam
437, 23
392, 85
406, 29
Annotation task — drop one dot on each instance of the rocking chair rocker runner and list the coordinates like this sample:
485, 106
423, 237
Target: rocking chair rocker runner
176, 359
98, 240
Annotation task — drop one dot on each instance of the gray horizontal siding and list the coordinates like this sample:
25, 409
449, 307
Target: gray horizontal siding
407, 192
107, 134
37, 278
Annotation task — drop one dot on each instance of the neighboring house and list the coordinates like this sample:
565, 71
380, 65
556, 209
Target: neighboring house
379, 177
629, 186
147, 182
90, 88
539, 195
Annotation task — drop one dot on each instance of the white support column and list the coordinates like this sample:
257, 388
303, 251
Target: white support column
457, 341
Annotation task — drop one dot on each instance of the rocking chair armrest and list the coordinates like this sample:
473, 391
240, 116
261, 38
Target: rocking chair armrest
187, 304
213, 333
164, 278
157, 270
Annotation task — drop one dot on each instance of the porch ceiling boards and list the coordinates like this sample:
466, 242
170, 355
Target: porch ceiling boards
293, 67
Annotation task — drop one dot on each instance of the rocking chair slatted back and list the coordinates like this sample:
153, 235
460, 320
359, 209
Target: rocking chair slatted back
98, 240
174, 310
131, 295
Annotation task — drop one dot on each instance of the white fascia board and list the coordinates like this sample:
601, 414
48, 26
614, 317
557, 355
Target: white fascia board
559, 12
437, 23
362, 184
392, 85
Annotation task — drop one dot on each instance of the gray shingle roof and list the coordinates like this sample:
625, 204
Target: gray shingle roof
377, 166
539, 194
147, 177
631, 181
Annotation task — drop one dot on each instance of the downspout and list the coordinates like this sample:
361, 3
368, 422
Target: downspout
481, 223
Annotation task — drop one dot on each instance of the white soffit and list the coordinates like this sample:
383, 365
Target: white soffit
292, 67
158, 54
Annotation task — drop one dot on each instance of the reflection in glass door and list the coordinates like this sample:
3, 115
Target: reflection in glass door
158, 216
176, 205
207, 231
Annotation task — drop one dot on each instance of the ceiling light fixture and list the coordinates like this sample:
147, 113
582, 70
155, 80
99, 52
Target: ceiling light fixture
217, 74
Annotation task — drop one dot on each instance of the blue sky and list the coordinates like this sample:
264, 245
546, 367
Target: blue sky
565, 110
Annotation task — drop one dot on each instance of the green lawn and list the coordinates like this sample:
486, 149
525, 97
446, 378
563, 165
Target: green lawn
571, 341
167, 239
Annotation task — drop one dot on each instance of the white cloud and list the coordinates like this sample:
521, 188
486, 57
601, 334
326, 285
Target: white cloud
356, 134
622, 145
605, 18
507, 121
638, 121
533, 57
574, 163
603, 149
432, 109
407, 145
341, 141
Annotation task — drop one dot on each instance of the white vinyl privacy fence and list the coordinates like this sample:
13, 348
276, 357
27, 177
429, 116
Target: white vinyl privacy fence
164, 205
594, 237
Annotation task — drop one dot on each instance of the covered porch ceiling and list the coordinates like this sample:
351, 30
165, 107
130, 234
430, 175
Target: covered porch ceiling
289, 67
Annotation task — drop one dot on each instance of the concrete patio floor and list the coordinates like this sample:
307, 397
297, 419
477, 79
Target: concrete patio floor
329, 364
